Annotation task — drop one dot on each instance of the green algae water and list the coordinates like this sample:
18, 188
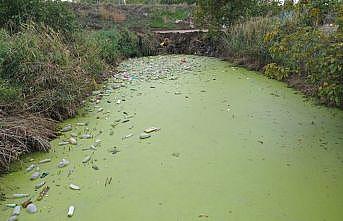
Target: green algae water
232, 145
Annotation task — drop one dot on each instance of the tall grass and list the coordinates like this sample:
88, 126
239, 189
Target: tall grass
245, 40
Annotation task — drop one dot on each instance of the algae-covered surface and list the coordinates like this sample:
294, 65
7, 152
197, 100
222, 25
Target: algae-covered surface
232, 145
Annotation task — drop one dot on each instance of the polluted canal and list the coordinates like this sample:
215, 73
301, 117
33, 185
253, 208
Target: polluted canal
186, 138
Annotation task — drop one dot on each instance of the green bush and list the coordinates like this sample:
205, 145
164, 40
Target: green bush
312, 54
274, 71
55, 14
246, 39
115, 45
10, 96
41, 64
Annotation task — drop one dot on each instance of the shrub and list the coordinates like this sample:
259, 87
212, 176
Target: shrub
276, 72
56, 14
246, 39
115, 45
41, 64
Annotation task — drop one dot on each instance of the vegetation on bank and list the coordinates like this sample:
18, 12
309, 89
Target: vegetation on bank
134, 17
299, 43
47, 68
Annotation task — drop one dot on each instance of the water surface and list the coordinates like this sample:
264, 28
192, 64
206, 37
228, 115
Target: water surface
233, 145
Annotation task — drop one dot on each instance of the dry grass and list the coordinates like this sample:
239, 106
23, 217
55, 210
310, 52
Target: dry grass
23, 134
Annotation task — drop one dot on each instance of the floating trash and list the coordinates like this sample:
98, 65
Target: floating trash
114, 150
35, 176
44, 175
16, 210
39, 185
45, 161
86, 136
26, 203
176, 155
127, 136
63, 143
43, 193
95, 167
63, 163
73, 134
10, 205
72, 141
31, 208
71, 210
20, 195
74, 187
30, 168
100, 109
151, 129
67, 128
13, 218
86, 159
144, 136
81, 124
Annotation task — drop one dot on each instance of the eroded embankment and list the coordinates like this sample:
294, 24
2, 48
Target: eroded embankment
232, 144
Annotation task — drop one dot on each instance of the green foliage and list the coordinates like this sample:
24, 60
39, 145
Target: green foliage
274, 71
313, 54
40, 63
9, 96
114, 44
246, 39
56, 14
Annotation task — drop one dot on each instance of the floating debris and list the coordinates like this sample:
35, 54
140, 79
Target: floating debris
16, 210
13, 218
72, 141
20, 195
96, 143
10, 205
81, 124
26, 203
35, 176
71, 211
176, 155
144, 136
127, 136
86, 136
177, 93
114, 150
203, 216
151, 129
125, 120
39, 185
95, 167
73, 134
44, 175
86, 159
63, 163
100, 109
67, 128
31, 208
45, 161
74, 187
43, 193
30, 168
63, 143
